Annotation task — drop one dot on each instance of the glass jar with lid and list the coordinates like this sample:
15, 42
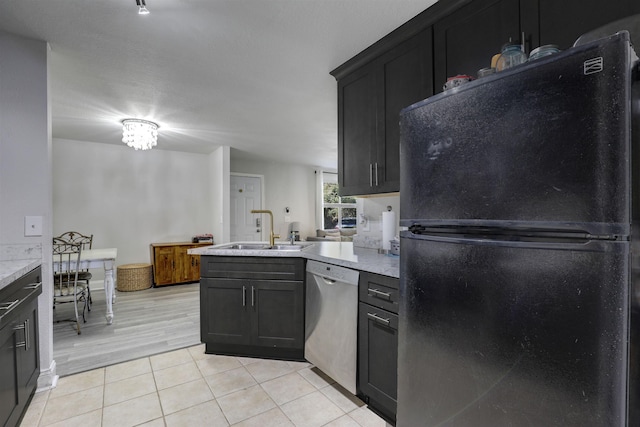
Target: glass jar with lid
511, 56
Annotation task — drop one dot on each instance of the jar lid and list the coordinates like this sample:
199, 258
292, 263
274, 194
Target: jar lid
511, 46
547, 49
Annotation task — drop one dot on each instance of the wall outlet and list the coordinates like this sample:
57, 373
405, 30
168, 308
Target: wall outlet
33, 226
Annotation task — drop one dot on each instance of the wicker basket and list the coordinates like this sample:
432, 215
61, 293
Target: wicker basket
134, 277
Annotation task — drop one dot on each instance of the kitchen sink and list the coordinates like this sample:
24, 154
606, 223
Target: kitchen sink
245, 246
264, 247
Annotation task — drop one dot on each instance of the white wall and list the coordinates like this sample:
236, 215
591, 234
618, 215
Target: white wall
128, 199
25, 166
285, 185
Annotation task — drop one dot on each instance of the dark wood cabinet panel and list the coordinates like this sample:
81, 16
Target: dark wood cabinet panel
223, 316
19, 347
253, 306
378, 358
278, 315
8, 375
369, 104
28, 355
562, 22
378, 342
465, 41
356, 130
406, 78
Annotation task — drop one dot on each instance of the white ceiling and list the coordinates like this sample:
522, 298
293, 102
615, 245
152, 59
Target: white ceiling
250, 74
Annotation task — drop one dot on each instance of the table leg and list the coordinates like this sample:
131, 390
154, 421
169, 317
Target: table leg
109, 290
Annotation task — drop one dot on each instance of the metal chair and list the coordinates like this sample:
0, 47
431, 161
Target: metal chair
86, 242
67, 289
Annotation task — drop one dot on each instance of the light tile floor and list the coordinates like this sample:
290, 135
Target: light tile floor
190, 388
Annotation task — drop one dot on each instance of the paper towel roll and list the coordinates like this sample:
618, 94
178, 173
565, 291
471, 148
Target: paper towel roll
388, 228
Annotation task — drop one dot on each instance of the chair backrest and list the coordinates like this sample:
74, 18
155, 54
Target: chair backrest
75, 237
66, 259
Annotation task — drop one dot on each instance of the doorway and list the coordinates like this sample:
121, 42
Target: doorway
246, 194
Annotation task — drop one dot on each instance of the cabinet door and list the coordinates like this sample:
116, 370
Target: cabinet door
277, 309
193, 266
27, 353
562, 22
224, 311
405, 77
164, 265
378, 357
8, 375
465, 40
356, 131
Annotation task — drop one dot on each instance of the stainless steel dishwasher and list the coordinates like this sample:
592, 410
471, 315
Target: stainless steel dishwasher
331, 331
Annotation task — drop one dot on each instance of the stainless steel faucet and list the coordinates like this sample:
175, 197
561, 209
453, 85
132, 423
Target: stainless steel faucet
272, 237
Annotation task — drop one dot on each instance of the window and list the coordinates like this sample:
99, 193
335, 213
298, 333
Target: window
337, 212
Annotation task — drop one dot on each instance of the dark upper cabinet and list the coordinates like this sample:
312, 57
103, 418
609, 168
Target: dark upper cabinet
465, 41
369, 104
562, 22
414, 61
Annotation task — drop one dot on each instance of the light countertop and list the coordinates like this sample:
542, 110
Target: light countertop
337, 253
14, 269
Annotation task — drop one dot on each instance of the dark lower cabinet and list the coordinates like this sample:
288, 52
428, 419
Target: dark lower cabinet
378, 343
254, 307
19, 355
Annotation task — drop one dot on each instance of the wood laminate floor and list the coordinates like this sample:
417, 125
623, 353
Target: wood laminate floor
147, 322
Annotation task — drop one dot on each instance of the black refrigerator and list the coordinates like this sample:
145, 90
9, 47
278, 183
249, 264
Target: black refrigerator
519, 194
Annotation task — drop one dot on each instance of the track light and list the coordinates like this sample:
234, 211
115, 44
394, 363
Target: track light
142, 7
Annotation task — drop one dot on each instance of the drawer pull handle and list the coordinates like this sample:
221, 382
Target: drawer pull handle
33, 285
27, 339
378, 318
379, 294
8, 305
244, 296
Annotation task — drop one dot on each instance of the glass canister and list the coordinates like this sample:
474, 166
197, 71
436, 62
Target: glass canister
511, 56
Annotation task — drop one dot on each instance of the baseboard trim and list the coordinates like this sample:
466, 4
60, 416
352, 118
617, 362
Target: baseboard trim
48, 378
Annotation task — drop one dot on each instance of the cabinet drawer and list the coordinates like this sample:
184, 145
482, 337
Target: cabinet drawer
379, 291
257, 268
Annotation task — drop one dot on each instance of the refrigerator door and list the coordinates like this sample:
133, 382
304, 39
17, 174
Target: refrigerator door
542, 145
512, 333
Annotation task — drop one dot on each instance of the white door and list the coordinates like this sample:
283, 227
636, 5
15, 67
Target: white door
246, 194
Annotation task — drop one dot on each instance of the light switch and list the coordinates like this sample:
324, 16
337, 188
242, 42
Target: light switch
33, 226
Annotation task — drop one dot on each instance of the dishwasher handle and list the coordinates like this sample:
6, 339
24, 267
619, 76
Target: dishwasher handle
327, 280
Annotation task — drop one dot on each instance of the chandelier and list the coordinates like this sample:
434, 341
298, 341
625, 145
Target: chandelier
139, 134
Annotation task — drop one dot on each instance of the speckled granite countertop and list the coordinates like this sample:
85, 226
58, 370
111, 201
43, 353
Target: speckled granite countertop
16, 260
12, 270
337, 253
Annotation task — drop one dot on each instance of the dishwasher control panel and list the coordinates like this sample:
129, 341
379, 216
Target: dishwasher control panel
333, 272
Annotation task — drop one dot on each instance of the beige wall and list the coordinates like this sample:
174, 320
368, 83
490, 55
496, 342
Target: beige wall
285, 185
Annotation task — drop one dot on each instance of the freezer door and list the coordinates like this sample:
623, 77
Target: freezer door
512, 333
543, 144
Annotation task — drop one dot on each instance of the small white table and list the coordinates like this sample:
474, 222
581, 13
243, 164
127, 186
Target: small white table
100, 258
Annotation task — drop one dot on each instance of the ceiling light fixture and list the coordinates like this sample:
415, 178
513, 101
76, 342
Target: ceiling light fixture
142, 7
139, 134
